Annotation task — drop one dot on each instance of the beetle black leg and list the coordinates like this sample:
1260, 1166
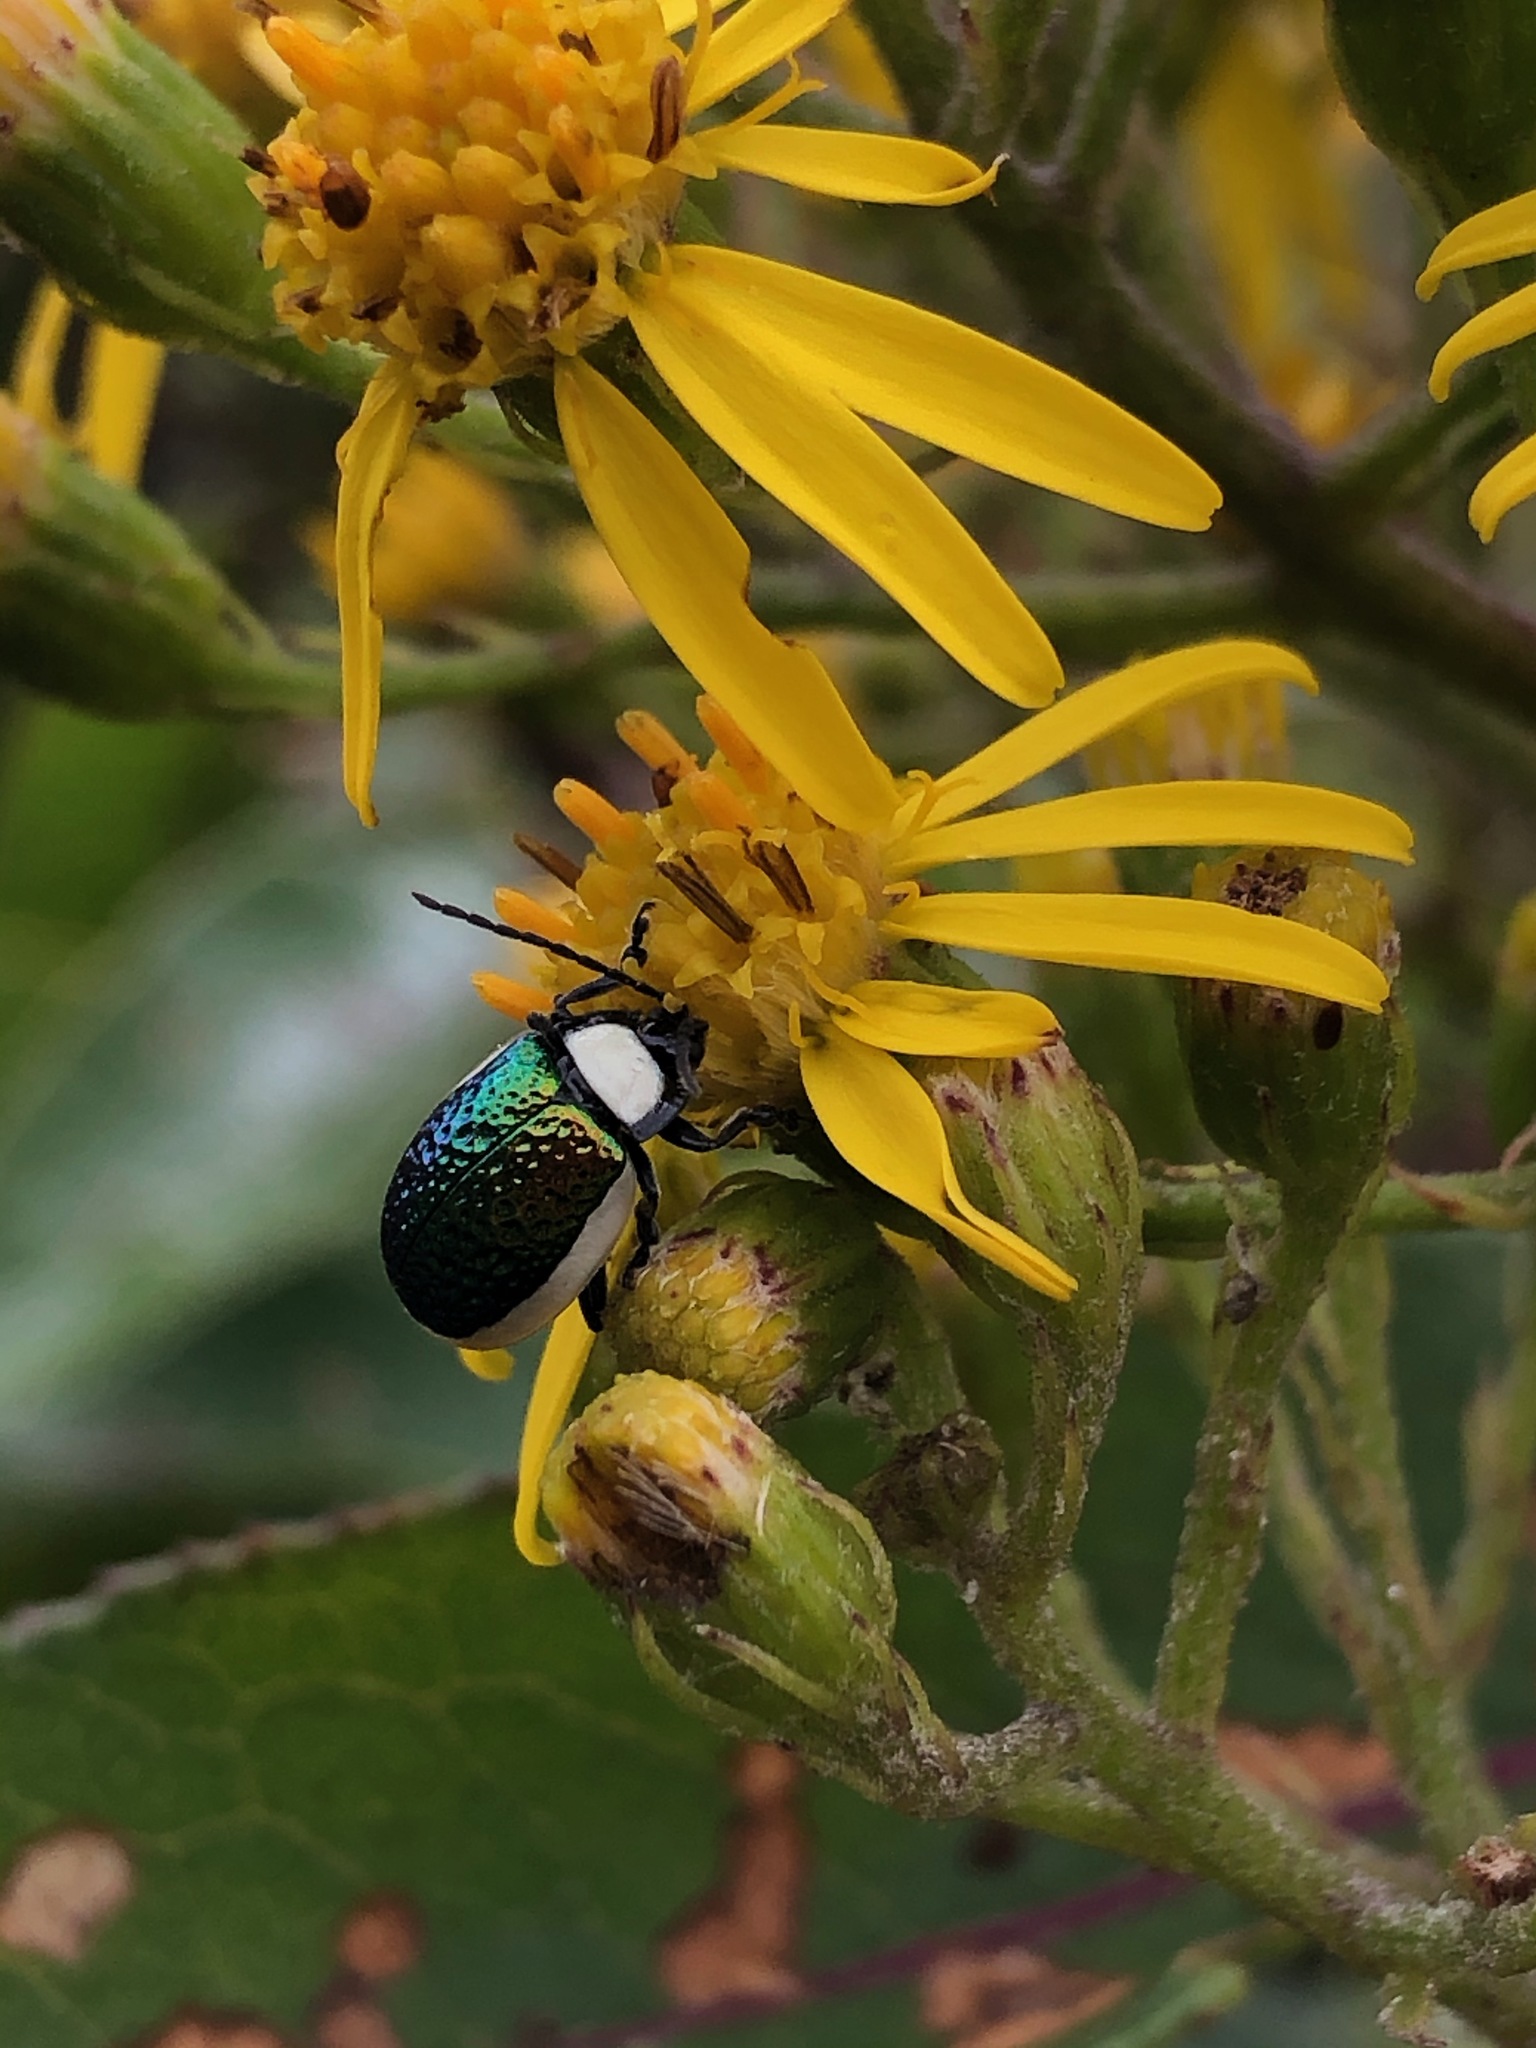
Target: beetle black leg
647, 1229
593, 1299
689, 1138
635, 950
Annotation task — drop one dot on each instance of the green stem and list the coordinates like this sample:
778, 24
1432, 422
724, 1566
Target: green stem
1185, 1212
1500, 1432
1224, 1516
1417, 1704
1180, 1787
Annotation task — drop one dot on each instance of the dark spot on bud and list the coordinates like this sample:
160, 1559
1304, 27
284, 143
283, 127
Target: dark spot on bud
1267, 890
460, 344
255, 158
664, 1550
1329, 1027
379, 308
955, 1100
1018, 1077
666, 109
344, 194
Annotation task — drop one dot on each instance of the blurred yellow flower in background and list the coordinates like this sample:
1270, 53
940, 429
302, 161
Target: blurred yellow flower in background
1271, 148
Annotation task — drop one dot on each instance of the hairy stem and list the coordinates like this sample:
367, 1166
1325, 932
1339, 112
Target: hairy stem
1185, 1209
1220, 1543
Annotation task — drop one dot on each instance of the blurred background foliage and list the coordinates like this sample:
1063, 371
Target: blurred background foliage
221, 1016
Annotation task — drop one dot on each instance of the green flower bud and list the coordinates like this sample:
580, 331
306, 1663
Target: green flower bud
755, 1596
123, 175
1038, 1147
771, 1293
1445, 91
103, 600
1512, 1056
1304, 1090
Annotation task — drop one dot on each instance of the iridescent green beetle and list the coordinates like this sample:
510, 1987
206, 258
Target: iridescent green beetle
509, 1200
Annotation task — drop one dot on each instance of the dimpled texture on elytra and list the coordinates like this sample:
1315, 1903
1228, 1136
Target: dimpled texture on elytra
493, 1192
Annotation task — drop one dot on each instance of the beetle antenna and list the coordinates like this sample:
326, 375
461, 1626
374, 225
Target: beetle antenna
507, 931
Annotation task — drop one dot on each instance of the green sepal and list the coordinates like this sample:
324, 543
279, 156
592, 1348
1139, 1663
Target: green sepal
125, 180
104, 601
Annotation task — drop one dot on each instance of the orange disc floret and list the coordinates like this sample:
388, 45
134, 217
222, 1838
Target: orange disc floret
466, 184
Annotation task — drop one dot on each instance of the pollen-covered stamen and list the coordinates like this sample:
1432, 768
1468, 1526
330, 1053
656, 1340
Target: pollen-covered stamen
467, 185
549, 858
690, 880
667, 109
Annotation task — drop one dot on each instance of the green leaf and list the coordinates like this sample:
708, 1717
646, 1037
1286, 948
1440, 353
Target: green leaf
278, 1728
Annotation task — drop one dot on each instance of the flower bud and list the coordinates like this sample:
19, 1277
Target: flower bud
755, 1596
1038, 1147
1512, 1056
1304, 1090
1445, 91
103, 600
123, 175
769, 1293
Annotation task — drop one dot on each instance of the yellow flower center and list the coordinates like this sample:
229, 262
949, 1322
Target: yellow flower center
469, 179
761, 909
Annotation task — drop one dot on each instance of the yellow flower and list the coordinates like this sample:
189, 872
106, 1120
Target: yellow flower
119, 382
1215, 737
1492, 236
793, 938
1270, 145
483, 189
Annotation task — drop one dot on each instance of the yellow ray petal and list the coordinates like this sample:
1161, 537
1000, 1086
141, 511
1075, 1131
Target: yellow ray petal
36, 371
1150, 935
495, 1364
676, 15
1508, 229
688, 566
758, 36
1511, 319
1171, 814
1103, 707
835, 473
892, 170
883, 1123
370, 455
120, 386
566, 1351
954, 1023
1509, 483
934, 378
